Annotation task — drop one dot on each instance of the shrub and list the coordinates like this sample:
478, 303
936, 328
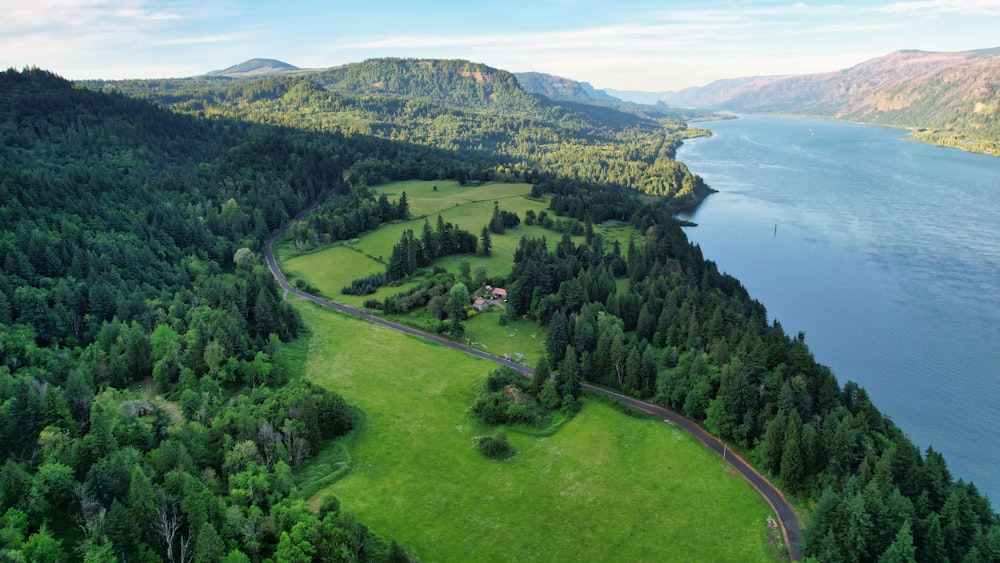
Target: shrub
495, 447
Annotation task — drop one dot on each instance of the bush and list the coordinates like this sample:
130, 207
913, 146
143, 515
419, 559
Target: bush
503, 377
495, 447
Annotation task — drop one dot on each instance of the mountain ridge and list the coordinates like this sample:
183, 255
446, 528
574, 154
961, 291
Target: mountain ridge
950, 98
254, 68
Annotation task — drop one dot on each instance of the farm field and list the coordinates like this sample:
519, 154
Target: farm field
604, 487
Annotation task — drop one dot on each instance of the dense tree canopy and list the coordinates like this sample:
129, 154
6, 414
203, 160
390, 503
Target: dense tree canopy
128, 241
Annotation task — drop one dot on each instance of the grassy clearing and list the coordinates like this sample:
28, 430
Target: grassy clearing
518, 337
331, 269
425, 200
604, 487
469, 208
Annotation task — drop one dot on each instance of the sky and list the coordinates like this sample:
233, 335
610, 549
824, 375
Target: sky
641, 45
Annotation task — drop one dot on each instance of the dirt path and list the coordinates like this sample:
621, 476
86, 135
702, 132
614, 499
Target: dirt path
791, 527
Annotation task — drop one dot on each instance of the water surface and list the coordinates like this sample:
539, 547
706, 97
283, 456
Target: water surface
885, 252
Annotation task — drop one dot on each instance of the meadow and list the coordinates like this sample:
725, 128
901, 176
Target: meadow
470, 208
604, 487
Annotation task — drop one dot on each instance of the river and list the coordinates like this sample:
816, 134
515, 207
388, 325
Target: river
884, 251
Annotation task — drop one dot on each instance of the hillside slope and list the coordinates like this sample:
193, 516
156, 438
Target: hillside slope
455, 105
953, 93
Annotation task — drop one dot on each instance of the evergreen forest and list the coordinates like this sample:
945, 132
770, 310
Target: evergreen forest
149, 411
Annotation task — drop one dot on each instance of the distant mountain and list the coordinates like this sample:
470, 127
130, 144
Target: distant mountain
254, 68
561, 89
955, 94
829, 93
452, 82
584, 97
552, 87
598, 95
638, 97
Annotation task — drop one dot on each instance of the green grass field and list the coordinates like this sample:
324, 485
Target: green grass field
331, 269
518, 337
605, 487
468, 207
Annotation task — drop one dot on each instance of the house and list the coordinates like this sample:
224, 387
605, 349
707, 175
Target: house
499, 293
480, 304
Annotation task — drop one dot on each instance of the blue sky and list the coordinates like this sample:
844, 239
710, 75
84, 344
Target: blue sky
622, 44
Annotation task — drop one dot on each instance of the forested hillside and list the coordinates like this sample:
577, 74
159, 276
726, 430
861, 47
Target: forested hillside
129, 239
458, 106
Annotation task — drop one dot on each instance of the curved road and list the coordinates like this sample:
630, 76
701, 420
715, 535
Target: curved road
791, 527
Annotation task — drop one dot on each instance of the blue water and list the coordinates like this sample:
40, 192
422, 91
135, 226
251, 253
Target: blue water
886, 252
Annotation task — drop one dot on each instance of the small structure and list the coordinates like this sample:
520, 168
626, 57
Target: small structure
499, 293
480, 304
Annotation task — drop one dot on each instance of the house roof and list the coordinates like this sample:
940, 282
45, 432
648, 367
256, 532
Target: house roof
500, 291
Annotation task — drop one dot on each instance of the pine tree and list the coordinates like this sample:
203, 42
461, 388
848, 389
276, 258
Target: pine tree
541, 375
486, 244
568, 378
496, 222
558, 338
792, 464
403, 207
458, 298
901, 550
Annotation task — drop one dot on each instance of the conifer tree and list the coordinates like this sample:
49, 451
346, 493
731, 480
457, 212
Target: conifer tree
485, 243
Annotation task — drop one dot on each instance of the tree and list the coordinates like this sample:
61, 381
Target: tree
541, 375
792, 464
209, 547
558, 338
485, 244
403, 207
496, 222
901, 550
857, 531
42, 547
568, 378
548, 396
458, 298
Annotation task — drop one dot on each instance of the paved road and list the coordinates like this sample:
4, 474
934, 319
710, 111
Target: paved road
791, 527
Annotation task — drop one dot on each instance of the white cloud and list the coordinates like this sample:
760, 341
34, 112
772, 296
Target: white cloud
936, 7
79, 14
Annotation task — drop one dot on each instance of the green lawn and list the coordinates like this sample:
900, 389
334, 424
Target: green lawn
605, 487
517, 337
425, 200
331, 269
